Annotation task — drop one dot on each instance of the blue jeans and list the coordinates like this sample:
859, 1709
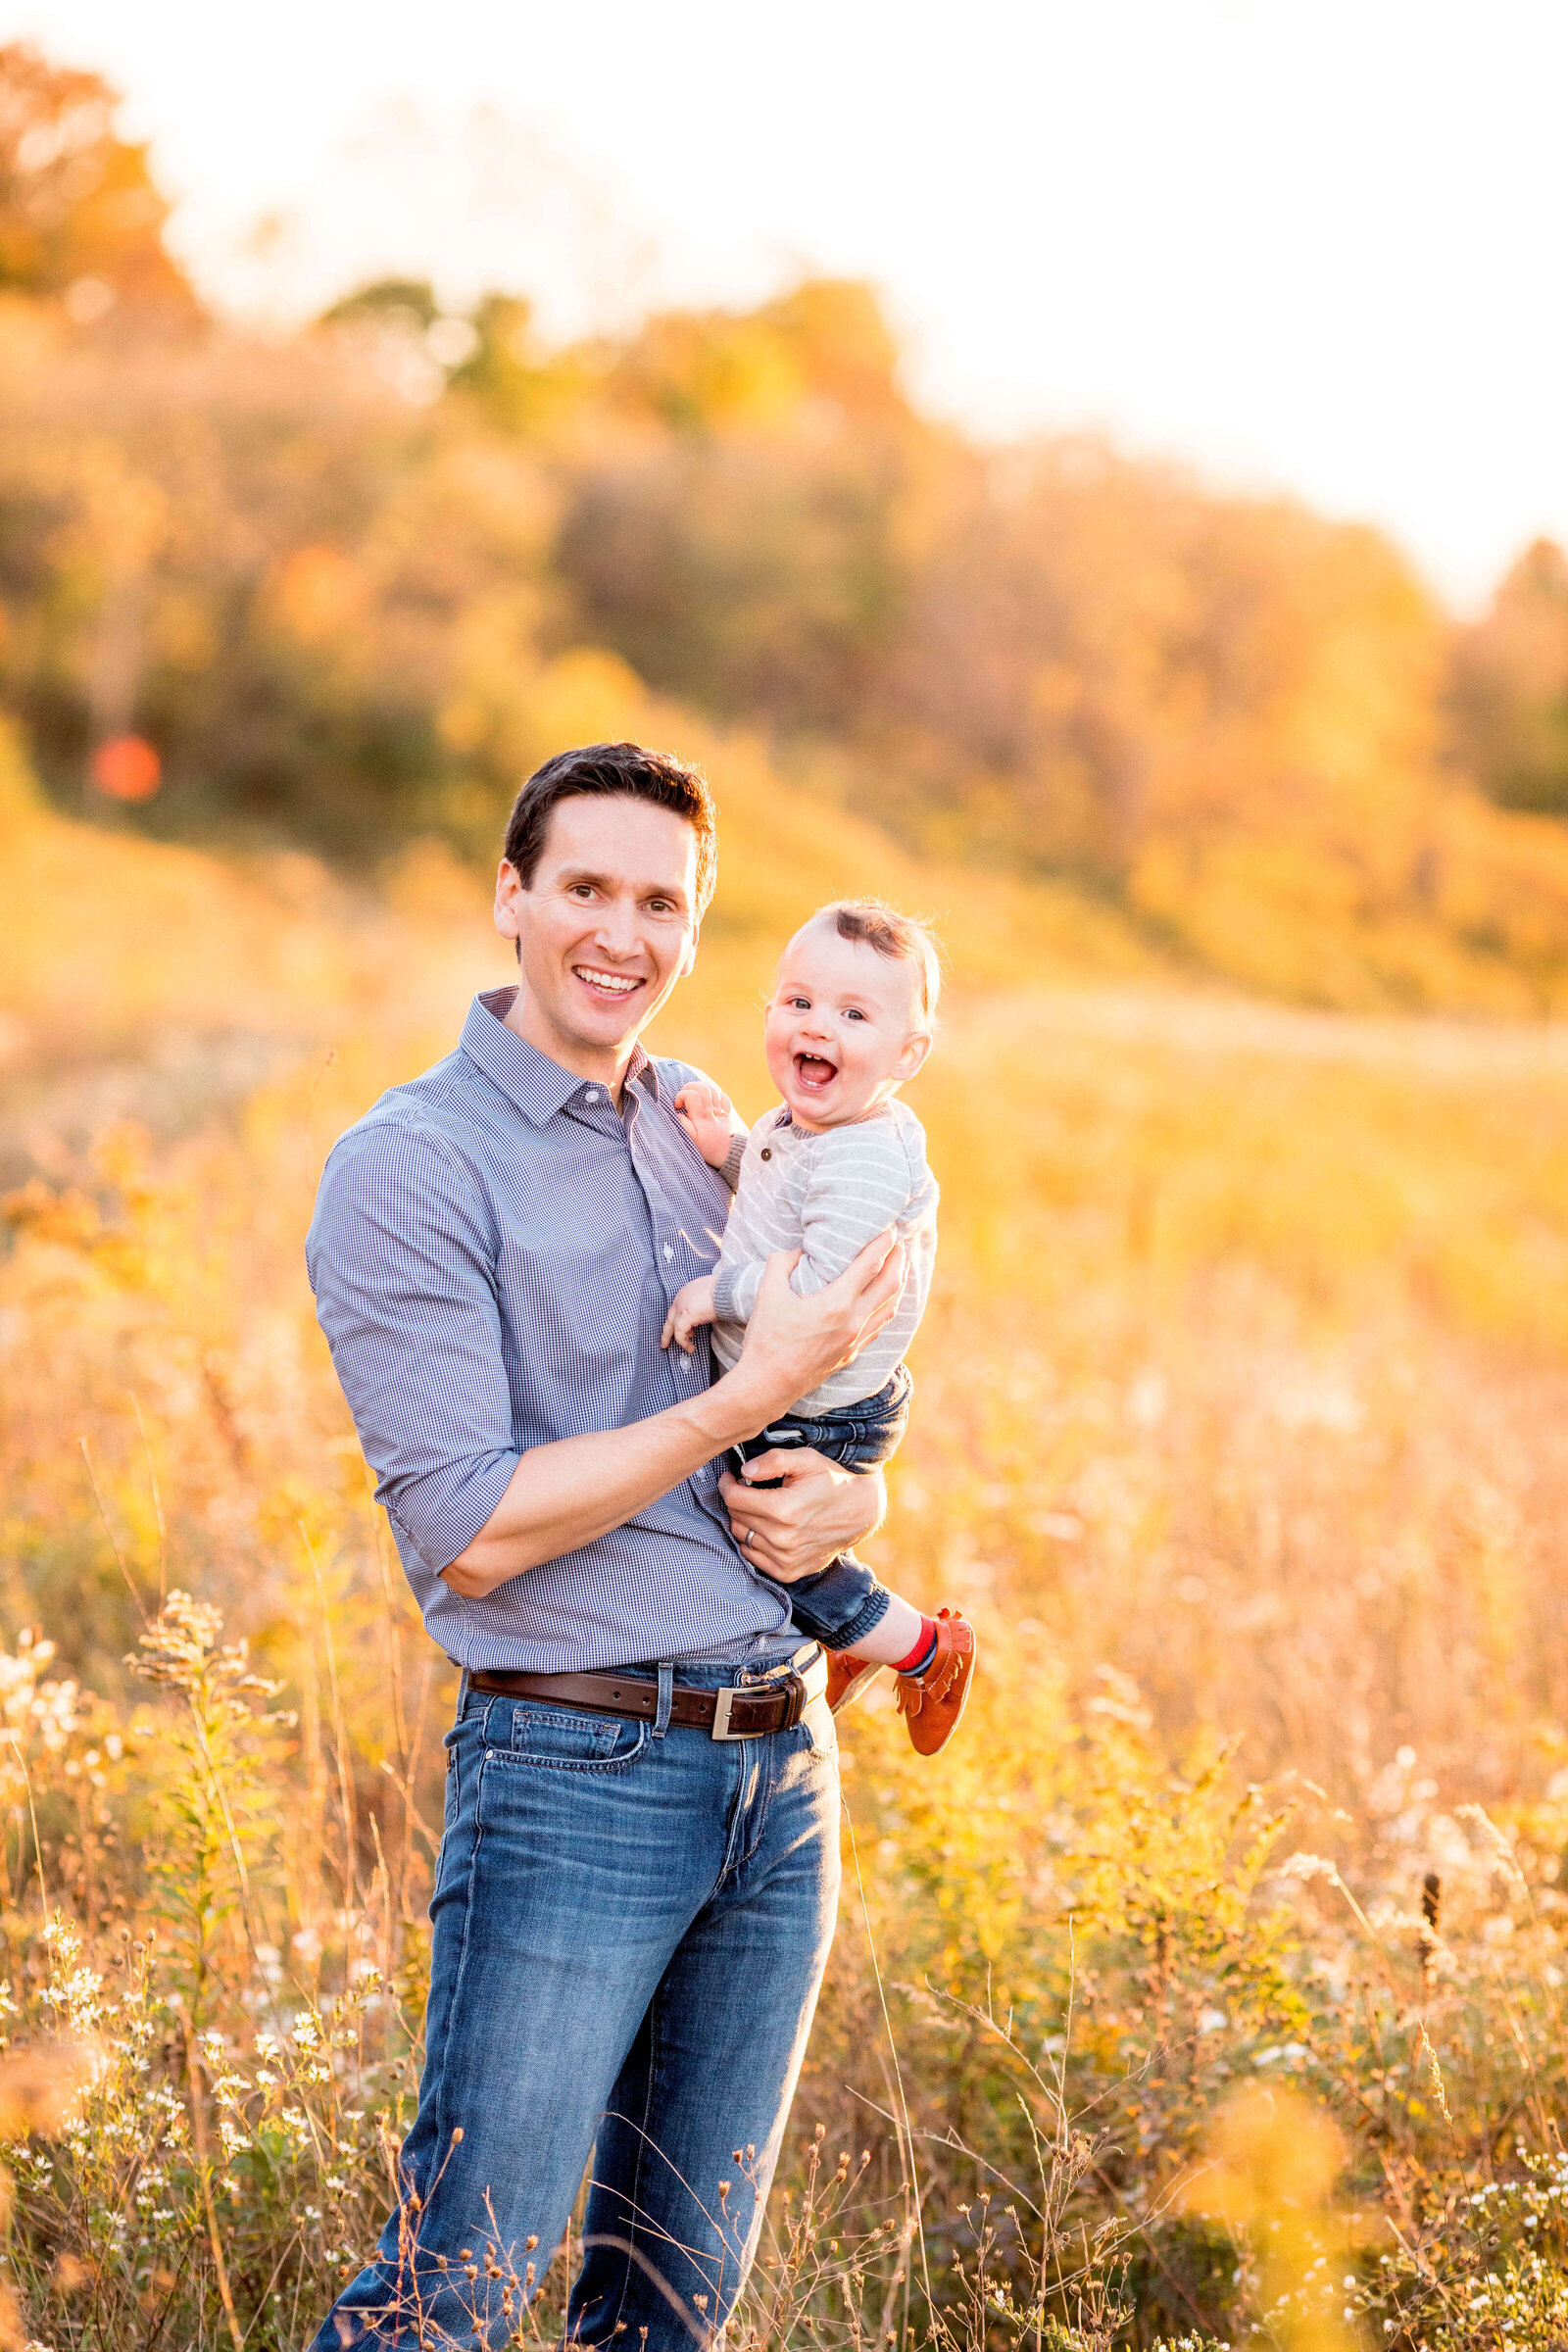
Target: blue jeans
630, 1929
840, 1605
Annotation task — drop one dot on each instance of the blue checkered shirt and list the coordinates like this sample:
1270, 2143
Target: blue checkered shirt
493, 1250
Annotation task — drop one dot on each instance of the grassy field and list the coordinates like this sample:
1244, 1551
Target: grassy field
1207, 1988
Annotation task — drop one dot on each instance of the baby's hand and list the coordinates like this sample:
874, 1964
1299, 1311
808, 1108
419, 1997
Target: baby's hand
709, 1117
693, 1303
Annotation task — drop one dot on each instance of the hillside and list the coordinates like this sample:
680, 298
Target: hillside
314, 612
198, 973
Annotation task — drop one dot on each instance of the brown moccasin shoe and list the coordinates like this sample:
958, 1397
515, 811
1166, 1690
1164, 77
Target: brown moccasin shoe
932, 1702
849, 1677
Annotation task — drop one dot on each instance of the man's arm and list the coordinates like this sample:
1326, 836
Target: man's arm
562, 1496
402, 1258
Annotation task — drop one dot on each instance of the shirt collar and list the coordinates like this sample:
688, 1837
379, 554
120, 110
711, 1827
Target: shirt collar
538, 1085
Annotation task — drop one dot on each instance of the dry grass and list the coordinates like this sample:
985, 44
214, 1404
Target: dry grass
1238, 1432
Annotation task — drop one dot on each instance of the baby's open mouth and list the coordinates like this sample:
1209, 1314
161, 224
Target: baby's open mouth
814, 1070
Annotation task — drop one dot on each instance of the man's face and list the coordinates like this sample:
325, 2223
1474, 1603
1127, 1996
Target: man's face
604, 931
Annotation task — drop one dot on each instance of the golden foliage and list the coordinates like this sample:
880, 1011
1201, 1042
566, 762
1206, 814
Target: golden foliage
1509, 686
348, 589
79, 214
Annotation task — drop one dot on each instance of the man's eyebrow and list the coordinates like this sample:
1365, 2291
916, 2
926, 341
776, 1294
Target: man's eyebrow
569, 874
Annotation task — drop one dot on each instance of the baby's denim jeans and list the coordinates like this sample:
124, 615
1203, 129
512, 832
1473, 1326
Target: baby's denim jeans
838, 1606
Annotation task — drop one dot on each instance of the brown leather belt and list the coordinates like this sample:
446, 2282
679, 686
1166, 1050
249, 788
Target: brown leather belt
739, 1711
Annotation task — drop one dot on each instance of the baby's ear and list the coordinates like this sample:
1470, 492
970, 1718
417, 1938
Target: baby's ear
911, 1054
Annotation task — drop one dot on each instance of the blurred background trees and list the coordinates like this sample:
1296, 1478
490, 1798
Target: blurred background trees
316, 590
79, 215
1510, 687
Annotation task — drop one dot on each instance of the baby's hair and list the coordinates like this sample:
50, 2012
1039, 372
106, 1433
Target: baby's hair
903, 937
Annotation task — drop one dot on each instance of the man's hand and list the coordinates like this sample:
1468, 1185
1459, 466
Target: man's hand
692, 1304
791, 1344
821, 1511
563, 1494
709, 1117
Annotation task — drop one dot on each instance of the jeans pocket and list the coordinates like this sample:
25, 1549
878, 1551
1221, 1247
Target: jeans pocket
452, 1786
570, 1739
820, 1729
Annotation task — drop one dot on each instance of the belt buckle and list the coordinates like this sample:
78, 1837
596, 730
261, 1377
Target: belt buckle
723, 1701
792, 1684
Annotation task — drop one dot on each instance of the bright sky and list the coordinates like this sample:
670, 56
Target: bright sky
1310, 243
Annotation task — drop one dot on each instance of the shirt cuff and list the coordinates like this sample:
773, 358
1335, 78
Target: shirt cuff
441, 1523
728, 1306
729, 1167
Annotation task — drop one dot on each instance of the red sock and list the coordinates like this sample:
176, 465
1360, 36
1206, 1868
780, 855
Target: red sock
920, 1654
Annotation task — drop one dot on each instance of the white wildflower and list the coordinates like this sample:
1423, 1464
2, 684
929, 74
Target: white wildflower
1307, 1866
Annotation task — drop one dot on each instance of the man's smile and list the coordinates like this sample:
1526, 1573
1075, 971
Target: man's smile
606, 983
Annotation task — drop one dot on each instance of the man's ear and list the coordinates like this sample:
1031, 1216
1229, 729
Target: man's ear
911, 1054
510, 886
688, 963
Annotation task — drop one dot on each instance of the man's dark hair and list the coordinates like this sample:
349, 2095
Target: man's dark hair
615, 770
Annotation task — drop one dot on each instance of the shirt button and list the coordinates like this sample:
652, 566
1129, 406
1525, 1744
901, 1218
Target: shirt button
592, 1095
669, 1252
768, 1151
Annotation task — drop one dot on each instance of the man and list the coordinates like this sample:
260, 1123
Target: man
636, 1892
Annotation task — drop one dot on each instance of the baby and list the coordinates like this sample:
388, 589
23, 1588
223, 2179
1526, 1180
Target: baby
839, 1161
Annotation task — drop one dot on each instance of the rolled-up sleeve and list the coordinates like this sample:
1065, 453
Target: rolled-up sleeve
402, 1258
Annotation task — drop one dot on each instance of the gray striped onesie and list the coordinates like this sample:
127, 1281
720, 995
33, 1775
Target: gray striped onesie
828, 1195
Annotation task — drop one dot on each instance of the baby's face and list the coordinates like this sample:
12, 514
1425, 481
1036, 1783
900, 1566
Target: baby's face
843, 1030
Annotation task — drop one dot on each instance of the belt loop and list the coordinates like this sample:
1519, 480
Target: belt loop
463, 1695
667, 1697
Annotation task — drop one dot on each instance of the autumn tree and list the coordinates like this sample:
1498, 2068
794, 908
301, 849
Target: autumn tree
736, 528
1509, 690
79, 214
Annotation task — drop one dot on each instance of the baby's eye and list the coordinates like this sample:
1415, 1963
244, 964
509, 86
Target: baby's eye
853, 1013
